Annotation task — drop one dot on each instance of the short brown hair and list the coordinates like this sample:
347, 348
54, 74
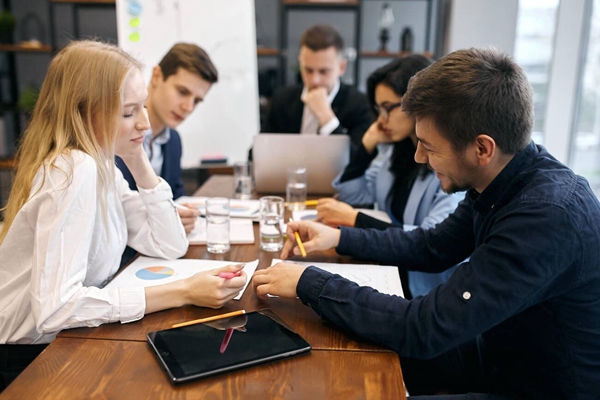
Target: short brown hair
321, 37
471, 92
191, 58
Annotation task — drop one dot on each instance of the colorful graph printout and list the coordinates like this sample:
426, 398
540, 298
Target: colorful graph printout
154, 273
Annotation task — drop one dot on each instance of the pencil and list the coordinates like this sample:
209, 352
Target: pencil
201, 320
307, 203
300, 244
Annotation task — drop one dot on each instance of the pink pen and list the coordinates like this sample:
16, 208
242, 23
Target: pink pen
229, 275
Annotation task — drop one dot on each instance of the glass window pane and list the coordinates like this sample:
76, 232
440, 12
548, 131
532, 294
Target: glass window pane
585, 148
534, 46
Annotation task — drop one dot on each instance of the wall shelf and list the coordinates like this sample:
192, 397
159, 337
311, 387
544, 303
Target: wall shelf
8, 163
267, 51
316, 3
85, 1
17, 48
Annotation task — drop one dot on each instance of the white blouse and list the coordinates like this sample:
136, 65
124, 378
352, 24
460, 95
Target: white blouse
60, 252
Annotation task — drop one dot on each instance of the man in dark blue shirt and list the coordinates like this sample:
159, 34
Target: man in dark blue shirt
521, 318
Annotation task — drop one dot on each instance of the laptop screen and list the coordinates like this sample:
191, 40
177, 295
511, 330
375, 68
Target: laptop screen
323, 156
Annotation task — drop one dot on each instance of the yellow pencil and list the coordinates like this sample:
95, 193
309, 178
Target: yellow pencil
300, 244
201, 320
307, 203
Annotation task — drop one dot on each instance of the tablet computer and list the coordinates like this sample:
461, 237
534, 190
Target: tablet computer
227, 344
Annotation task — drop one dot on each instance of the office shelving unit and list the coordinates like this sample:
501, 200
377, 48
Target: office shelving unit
77, 6
430, 13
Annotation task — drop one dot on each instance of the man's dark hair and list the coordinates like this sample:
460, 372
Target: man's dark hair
472, 92
321, 37
191, 58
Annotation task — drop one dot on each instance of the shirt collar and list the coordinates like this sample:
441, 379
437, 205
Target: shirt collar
505, 180
161, 138
331, 94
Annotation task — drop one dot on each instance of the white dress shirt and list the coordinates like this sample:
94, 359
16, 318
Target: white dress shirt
153, 148
310, 122
62, 249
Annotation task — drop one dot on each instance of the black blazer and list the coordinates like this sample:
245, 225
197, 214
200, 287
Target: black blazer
350, 106
171, 169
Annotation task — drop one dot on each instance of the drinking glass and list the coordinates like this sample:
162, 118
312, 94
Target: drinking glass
242, 177
296, 188
271, 221
217, 225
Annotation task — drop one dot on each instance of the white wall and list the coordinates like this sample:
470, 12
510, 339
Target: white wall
480, 23
228, 118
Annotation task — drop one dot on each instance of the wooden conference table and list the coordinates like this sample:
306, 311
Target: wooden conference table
113, 361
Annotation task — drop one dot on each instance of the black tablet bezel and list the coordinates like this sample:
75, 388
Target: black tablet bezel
176, 374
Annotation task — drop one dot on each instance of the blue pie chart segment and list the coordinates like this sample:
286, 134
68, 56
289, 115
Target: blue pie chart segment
154, 273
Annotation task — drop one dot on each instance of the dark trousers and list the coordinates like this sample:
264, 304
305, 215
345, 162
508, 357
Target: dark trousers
14, 358
460, 370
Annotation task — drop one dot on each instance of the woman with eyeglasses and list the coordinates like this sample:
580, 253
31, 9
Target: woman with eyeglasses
383, 172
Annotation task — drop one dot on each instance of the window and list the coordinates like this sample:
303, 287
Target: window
585, 147
534, 45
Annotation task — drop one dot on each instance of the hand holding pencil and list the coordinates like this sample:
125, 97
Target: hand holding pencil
311, 236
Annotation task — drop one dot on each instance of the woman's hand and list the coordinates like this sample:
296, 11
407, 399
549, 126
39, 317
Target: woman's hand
207, 289
138, 164
204, 289
335, 213
375, 135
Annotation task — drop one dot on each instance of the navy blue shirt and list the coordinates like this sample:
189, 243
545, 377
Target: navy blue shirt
531, 288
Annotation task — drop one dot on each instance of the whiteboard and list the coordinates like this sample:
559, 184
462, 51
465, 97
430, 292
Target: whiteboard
229, 116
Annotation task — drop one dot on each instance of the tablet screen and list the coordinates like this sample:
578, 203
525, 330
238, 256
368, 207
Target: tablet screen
226, 344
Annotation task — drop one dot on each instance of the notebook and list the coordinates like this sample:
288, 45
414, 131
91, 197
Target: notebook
323, 156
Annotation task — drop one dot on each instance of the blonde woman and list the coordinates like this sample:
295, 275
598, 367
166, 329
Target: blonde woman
71, 213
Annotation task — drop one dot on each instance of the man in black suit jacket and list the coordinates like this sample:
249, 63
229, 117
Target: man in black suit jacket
322, 105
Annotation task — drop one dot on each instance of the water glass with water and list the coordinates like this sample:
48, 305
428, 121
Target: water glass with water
242, 177
296, 188
271, 223
217, 225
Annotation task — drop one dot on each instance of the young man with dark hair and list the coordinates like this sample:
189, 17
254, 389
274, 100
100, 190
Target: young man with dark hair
521, 318
323, 105
179, 82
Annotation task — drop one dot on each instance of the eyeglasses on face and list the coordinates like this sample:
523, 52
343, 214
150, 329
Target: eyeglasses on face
384, 110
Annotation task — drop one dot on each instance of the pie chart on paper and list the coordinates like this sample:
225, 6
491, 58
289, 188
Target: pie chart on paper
154, 273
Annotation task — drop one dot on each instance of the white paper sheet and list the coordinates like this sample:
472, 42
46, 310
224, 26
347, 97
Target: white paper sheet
148, 271
238, 208
311, 215
241, 231
383, 278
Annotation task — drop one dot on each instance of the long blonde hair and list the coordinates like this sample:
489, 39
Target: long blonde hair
78, 109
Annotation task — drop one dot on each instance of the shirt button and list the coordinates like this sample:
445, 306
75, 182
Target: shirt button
466, 295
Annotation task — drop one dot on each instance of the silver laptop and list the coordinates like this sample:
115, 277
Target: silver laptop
323, 156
